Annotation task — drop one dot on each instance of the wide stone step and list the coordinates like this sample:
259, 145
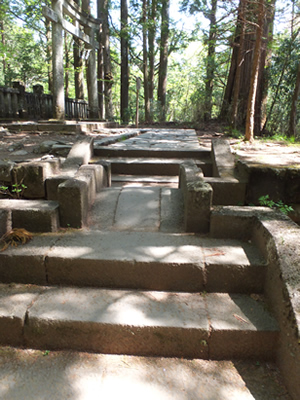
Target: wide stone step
137, 260
199, 325
58, 375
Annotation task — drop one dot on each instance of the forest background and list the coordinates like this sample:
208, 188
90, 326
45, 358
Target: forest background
196, 60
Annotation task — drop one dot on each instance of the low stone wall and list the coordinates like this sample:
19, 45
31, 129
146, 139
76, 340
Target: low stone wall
63, 192
228, 187
278, 238
197, 197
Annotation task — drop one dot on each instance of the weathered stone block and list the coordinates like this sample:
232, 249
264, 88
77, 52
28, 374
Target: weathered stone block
107, 175
88, 176
5, 221
73, 203
33, 176
100, 173
34, 216
6, 168
80, 153
197, 196
52, 184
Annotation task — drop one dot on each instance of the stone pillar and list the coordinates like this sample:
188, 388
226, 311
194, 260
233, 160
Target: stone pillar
22, 109
7, 103
2, 108
38, 91
58, 62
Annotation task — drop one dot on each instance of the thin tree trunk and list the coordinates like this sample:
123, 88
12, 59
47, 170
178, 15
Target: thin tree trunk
236, 91
227, 99
108, 77
210, 63
151, 42
91, 67
249, 133
163, 64
67, 66
49, 54
124, 62
100, 79
292, 132
78, 65
145, 61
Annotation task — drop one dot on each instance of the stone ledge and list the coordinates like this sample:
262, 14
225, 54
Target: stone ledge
33, 215
197, 197
278, 238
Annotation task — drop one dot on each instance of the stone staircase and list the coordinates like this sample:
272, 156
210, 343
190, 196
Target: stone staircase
135, 283
129, 285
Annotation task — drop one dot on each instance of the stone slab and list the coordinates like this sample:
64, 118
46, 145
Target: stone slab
171, 210
33, 215
145, 260
25, 263
35, 374
80, 153
243, 325
102, 214
14, 303
233, 267
138, 209
119, 322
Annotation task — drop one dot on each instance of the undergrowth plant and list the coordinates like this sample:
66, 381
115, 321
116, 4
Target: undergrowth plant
267, 202
15, 191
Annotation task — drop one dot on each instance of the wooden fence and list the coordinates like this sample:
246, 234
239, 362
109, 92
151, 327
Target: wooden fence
16, 104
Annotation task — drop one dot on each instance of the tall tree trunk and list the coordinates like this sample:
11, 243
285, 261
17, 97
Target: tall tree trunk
3, 57
249, 133
108, 77
231, 80
67, 65
124, 61
240, 57
151, 53
145, 61
292, 132
163, 63
100, 80
91, 71
265, 63
78, 65
210, 63
49, 54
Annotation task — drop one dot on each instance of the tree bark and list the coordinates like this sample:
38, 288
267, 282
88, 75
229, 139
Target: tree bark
249, 132
145, 61
210, 63
78, 65
124, 62
292, 132
91, 71
49, 55
163, 64
3, 58
151, 53
240, 57
67, 65
108, 77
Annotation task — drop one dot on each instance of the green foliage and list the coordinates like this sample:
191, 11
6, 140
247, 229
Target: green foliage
25, 59
15, 191
265, 201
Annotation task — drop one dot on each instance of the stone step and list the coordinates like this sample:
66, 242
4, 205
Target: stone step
136, 260
56, 375
150, 323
